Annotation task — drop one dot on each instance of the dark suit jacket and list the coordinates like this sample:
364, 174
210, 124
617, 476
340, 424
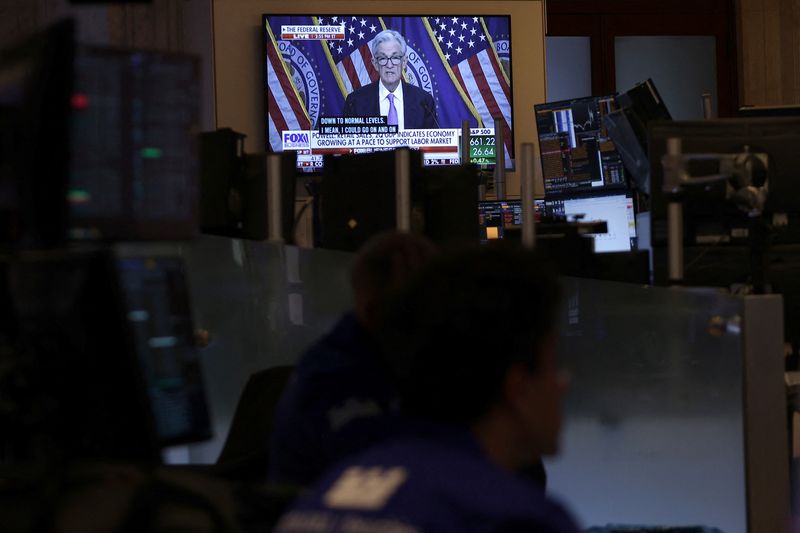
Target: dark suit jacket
419, 109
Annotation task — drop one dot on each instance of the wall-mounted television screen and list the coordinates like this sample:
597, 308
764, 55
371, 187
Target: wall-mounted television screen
352, 83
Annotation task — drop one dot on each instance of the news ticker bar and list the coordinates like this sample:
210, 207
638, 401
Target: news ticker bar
440, 141
428, 159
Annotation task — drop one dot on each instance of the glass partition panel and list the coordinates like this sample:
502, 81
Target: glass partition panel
262, 304
653, 430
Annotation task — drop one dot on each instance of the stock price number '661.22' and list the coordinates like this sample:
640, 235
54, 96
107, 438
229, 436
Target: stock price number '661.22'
482, 150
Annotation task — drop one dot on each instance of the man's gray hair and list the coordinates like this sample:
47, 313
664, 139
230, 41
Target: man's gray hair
388, 35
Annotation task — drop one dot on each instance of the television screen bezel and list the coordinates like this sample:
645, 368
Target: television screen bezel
236, 78
265, 82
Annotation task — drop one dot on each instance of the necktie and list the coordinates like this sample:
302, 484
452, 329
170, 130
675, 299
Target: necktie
391, 119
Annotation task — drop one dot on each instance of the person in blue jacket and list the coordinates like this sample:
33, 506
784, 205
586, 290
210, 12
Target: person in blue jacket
472, 345
340, 399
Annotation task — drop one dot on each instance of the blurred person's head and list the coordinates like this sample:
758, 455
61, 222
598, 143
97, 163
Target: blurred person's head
389, 57
472, 340
381, 267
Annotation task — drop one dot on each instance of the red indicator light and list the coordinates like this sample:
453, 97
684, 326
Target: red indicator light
79, 101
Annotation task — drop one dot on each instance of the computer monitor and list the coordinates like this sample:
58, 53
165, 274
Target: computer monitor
319, 65
357, 200
157, 308
645, 100
724, 246
577, 154
35, 87
769, 111
99, 361
709, 217
617, 210
497, 216
627, 127
234, 195
134, 159
72, 388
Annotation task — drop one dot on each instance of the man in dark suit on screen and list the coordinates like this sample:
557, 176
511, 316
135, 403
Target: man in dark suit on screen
404, 105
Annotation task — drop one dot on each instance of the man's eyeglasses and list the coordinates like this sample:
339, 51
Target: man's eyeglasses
383, 61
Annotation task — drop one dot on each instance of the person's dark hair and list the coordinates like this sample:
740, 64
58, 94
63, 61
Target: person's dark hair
452, 334
382, 265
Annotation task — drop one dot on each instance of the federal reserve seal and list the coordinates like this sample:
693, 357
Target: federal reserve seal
417, 72
304, 78
503, 49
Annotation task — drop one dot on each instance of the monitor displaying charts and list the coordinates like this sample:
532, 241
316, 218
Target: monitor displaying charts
578, 156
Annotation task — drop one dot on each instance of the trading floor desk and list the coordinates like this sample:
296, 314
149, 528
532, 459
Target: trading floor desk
676, 414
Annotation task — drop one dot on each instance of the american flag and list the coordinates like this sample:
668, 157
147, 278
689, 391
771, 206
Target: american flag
351, 58
466, 47
286, 110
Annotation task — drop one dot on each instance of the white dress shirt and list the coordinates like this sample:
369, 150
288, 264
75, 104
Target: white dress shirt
383, 101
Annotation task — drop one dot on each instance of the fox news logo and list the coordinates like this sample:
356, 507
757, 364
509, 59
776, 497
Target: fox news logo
293, 140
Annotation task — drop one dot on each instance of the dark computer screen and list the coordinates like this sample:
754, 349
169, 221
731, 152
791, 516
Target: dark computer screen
357, 200
710, 216
627, 127
35, 87
134, 134
98, 358
645, 100
157, 310
725, 246
769, 111
577, 154
234, 194
70, 385
357, 197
